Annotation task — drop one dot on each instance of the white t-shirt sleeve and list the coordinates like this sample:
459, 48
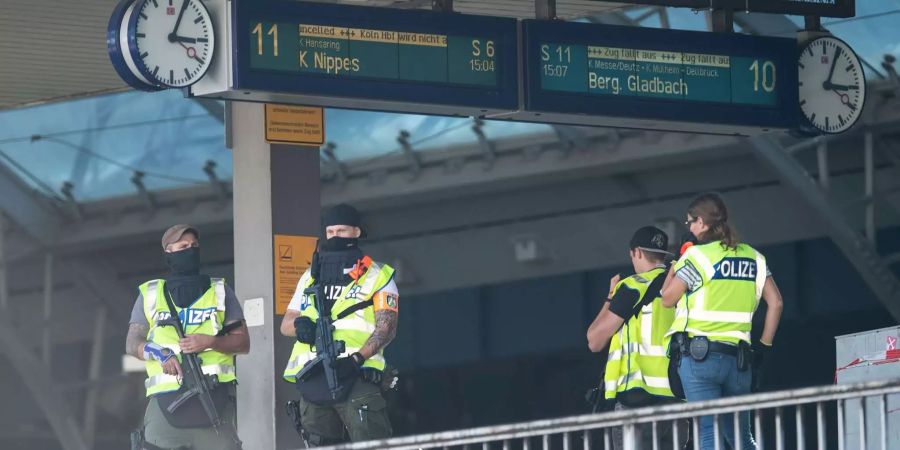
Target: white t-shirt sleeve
299, 301
390, 288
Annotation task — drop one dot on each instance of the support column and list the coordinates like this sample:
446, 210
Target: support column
4, 290
47, 337
869, 164
822, 162
276, 191
545, 9
92, 396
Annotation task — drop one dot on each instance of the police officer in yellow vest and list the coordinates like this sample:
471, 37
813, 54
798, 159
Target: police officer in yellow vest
364, 307
214, 330
717, 285
633, 323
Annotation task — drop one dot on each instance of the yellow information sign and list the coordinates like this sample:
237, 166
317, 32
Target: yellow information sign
293, 255
286, 124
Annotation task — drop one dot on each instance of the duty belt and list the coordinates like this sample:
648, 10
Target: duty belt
371, 375
721, 347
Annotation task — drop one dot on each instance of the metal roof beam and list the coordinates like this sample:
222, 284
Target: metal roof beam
765, 24
36, 377
858, 250
31, 211
215, 108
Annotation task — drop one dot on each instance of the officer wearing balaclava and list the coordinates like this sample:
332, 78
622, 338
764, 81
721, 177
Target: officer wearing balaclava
362, 298
214, 329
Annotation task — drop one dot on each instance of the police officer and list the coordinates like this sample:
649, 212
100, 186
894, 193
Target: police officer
633, 323
364, 307
214, 330
717, 285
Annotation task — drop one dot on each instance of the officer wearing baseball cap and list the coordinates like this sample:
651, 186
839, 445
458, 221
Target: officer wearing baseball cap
214, 328
633, 323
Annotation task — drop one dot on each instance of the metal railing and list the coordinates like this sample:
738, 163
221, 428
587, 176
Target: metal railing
842, 417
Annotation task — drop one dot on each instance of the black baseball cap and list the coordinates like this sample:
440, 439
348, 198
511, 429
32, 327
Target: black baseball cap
650, 239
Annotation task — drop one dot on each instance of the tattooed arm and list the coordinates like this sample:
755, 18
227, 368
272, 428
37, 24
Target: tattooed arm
137, 337
385, 331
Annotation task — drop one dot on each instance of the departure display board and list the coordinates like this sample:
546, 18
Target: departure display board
823, 8
660, 74
377, 53
670, 75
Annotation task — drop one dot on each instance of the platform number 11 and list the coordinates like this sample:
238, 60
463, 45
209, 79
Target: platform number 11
273, 31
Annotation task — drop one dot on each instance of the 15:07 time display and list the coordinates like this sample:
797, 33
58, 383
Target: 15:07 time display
604, 70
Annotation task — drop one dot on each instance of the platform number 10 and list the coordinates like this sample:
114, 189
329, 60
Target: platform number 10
273, 31
766, 74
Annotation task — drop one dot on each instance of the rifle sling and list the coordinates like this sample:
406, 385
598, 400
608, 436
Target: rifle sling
173, 312
651, 293
353, 309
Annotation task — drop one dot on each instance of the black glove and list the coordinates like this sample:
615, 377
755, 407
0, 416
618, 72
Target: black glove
760, 351
349, 366
305, 329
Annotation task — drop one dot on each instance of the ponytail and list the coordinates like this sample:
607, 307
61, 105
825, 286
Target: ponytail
711, 208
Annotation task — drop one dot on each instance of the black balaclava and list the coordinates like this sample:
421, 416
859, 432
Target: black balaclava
184, 282
338, 255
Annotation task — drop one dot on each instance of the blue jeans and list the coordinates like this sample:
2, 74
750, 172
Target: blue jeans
716, 377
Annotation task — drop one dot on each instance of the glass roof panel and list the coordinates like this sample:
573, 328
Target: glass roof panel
873, 33
98, 143
364, 134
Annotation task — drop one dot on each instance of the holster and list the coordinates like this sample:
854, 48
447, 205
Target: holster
744, 356
137, 439
138, 442
309, 439
594, 398
677, 350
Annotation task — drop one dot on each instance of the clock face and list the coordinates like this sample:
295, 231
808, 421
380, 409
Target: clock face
172, 40
832, 85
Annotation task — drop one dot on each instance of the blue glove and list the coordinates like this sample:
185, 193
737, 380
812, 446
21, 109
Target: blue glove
157, 352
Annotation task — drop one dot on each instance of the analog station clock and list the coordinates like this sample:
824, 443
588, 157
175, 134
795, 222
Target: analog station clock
832, 85
160, 44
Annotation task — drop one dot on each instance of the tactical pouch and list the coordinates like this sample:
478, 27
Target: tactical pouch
313, 385
191, 414
744, 356
699, 348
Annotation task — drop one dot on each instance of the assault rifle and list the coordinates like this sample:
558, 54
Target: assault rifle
196, 383
327, 349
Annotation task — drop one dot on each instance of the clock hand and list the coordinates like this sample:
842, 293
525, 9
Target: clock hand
174, 34
828, 85
845, 100
191, 52
185, 39
841, 87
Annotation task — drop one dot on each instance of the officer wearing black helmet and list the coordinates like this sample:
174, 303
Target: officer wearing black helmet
364, 305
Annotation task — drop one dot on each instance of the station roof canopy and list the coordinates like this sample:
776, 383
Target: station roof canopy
52, 50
